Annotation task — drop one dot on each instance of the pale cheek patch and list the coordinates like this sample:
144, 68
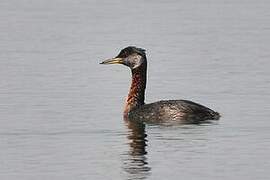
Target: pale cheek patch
137, 61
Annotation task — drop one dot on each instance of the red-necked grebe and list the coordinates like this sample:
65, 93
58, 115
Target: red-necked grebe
161, 111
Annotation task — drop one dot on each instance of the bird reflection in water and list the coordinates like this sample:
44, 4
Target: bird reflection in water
136, 164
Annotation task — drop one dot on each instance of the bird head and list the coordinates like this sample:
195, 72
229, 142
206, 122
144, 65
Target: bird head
130, 56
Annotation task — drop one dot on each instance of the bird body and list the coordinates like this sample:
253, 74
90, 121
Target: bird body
173, 111
182, 111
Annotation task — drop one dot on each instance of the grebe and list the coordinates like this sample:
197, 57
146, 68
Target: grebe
182, 111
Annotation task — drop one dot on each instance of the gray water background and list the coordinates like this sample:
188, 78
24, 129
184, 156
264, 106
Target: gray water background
61, 112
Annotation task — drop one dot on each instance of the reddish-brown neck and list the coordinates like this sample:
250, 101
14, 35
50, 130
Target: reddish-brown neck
136, 92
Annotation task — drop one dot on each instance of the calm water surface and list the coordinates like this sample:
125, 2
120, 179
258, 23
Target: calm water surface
61, 112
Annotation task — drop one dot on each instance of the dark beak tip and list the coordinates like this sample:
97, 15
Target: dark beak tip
101, 63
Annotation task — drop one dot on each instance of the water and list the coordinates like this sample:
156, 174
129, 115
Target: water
61, 112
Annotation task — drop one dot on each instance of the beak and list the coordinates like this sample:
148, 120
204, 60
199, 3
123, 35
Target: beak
113, 61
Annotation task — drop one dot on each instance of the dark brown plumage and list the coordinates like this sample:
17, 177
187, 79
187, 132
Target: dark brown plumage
182, 111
